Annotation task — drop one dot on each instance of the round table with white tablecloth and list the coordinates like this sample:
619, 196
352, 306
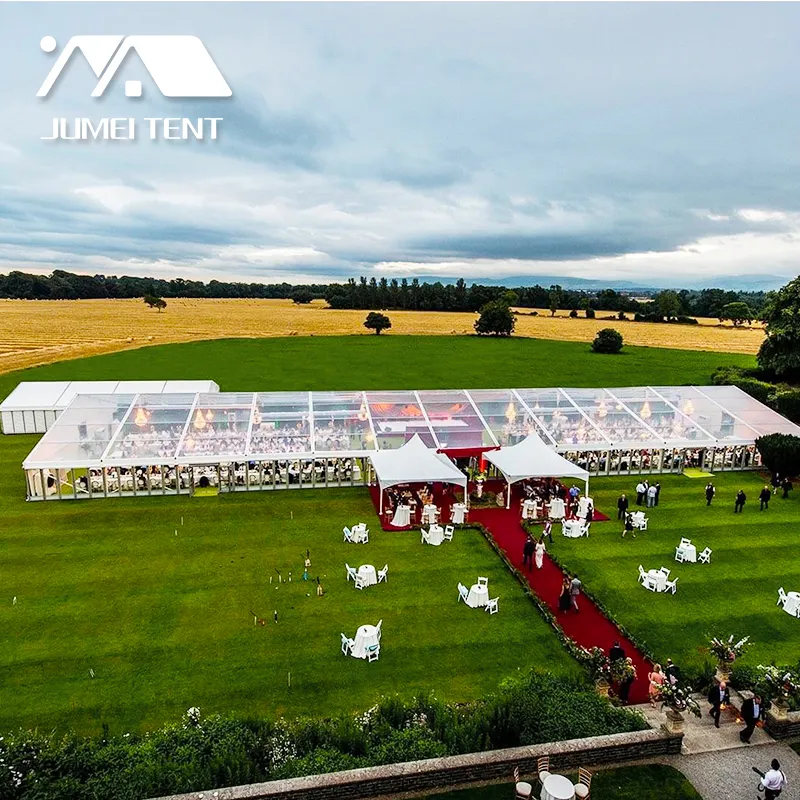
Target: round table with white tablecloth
557, 508
478, 595
530, 509
792, 604
689, 553
366, 637
402, 517
459, 511
557, 787
368, 574
359, 532
660, 579
572, 528
430, 513
435, 535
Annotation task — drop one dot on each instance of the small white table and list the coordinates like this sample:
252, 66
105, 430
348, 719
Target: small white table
430, 514
792, 604
366, 636
689, 552
459, 511
530, 509
435, 535
359, 533
402, 517
557, 509
368, 574
572, 528
478, 596
557, 787
660, 579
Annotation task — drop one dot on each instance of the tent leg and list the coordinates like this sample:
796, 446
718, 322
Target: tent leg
508, 494
587, 488
380, 489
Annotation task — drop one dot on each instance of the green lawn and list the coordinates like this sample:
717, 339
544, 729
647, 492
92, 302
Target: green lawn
626, 783
390, 362
753, 554
165, 622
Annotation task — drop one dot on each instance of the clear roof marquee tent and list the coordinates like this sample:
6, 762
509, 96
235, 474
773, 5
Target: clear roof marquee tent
34, 405
141, 426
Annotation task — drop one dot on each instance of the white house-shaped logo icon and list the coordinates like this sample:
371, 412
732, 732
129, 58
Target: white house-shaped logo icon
180, 66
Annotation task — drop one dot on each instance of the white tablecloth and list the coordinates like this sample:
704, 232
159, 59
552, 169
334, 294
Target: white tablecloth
583, 505
530, 509
557, 508
689, 553
368, 574
435, 535
571, 528
359, 532
402, 517
557, 787
430, 513
660, 579
478, 596
792, 604
366, 636
458, 512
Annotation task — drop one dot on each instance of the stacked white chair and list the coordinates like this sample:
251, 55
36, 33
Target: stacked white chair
463, 592
781, 597
705, 556
491, 606
382, 573
448, 532
347, 645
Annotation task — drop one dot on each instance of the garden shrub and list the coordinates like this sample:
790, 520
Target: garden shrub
787, 402
607, 340
780, 453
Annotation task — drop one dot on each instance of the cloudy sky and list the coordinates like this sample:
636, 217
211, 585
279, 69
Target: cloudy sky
651, 143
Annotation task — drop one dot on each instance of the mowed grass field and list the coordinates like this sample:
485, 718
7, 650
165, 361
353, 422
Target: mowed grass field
40, 332
754, 553
164, 621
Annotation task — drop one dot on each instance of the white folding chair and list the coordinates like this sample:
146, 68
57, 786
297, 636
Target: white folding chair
705, 556
781, 597
491, 606
378, 626
585, 529
365, 536
448, 532
425, 534
351, 573
347, 645
665, 571
483, 581
348, 535
643, 524
685, 542
359, 582
373, 651
382, 573
543, 768
680, 553
646, 579
671, 586
523, 789
463, 594
642, 574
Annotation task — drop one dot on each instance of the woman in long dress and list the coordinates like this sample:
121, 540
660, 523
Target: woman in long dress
656, 678
565, 600
539, 552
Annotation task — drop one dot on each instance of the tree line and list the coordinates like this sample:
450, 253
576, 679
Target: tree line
383, 294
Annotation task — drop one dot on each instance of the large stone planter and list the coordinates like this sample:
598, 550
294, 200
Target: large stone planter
723, 671
602, 687
675, 720
780, 709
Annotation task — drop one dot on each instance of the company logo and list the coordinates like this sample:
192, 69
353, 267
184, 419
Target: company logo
180, 66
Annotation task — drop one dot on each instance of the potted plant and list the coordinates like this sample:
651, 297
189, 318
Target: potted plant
726, 651
599, 666
675, 700
781, 685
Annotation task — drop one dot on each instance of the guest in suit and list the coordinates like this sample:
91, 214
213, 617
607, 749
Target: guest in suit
548, 530
626, 683
786, 485
717, 696
589, 513
658, 492
741, 499
752, 710
616, 653
527, 552
765, 497
672, 672
710, 492
622, 507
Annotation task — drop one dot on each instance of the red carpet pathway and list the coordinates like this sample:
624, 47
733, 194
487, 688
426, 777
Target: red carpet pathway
589, 628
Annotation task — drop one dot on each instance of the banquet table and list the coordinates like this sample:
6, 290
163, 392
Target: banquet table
689, 553
458, 513
660, 579
435, 535
366, 636
792, 604
402, 517
430, 513
571, 528
557, 787
557, 508
368, 574
530, 509
359, 532
478, 596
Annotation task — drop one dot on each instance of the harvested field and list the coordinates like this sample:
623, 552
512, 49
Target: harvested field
34, 332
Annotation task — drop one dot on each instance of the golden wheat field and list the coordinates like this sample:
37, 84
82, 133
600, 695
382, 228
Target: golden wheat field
34, 332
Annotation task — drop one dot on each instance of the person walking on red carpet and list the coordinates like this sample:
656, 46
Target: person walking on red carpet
527, 553
574, 590
565, 599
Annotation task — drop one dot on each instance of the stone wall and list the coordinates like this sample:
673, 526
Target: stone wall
443, 774
783, 728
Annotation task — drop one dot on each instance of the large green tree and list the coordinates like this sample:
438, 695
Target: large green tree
780, 351
496, 319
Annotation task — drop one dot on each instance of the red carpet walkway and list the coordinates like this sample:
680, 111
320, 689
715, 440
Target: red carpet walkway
589, 628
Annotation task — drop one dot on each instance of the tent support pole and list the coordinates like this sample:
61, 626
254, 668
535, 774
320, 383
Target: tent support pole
508, 493
380, 489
